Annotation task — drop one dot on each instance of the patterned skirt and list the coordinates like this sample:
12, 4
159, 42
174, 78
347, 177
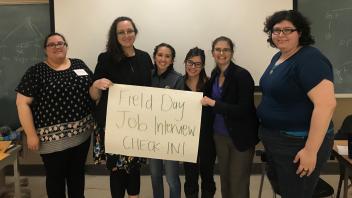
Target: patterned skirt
121, 162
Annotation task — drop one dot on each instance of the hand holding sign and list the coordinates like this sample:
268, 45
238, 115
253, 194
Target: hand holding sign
153, 122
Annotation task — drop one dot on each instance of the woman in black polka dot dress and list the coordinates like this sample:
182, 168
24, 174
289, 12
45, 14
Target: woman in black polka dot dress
54, 108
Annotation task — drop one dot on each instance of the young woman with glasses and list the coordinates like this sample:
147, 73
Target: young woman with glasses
233, 120
297, 106
55, 111
195, 79
121, 63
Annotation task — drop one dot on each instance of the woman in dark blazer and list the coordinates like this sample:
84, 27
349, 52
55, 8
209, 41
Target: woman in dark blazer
232, 118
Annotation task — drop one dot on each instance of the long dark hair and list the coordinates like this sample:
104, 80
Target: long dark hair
202, 75
113, 47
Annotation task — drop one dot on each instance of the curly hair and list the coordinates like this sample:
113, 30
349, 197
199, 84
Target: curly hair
297, 19
113, 47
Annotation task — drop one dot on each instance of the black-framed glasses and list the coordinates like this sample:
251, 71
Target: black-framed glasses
285, 31
190, 63
122, 33
59, 44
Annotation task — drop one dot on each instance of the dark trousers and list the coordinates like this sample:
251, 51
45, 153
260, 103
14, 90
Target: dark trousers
120, 181
204, 167
234, 167
280, 150
66, 168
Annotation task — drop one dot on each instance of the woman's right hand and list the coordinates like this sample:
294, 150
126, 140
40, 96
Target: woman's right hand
206, 101
33, 142
102, 84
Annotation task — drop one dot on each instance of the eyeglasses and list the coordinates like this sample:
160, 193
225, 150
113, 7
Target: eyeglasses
122, 33
285, 31
190, 64
220, 51
59, 44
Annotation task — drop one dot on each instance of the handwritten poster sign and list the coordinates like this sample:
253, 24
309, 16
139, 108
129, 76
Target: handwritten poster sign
153, 122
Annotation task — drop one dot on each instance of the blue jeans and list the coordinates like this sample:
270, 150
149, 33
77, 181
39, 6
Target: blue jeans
281, 149
172, 178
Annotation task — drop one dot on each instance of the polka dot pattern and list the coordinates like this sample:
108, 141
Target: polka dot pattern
60, 98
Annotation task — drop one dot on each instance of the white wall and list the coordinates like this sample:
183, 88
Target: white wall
182, 23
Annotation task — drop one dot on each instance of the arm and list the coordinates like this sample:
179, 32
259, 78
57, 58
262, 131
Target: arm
100, 78
97, 87
323, 98
180, 83
26, 118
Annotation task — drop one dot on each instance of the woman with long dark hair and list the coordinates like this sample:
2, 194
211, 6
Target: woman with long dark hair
121, 63
195, 79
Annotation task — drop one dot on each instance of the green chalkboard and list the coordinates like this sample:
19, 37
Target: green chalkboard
332, 29
22, 31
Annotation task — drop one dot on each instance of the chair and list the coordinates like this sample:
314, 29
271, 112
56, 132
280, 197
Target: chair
342, 134
323, 189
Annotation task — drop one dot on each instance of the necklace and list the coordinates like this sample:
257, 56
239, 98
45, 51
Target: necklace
131, 66
283, 59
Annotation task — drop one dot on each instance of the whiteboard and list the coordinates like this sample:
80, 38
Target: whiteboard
182, 23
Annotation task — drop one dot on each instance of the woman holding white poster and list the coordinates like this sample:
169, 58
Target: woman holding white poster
232, 118
164, 76
121, 63
195, 79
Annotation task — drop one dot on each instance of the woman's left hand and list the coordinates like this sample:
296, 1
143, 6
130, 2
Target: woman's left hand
307, 161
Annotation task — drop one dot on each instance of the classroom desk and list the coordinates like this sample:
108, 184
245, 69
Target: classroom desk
12, 160
345, 161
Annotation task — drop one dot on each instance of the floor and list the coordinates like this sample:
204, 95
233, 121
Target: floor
98, 186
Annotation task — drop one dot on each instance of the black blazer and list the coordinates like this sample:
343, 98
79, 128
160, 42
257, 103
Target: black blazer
237, 106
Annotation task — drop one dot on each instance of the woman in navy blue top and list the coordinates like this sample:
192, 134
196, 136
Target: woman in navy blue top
232, 118
297, 106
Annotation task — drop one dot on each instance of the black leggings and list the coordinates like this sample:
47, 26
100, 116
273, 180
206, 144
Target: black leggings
204, 167
120, 181
66, 168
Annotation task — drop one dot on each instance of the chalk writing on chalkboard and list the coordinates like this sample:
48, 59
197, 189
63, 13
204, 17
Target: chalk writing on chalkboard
343, 39
14, 53
332, 31
22, 32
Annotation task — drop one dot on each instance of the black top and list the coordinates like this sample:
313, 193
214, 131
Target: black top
170, 79
135, 70
237, 106
61, 104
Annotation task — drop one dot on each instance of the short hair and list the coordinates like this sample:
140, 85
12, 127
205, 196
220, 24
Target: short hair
301, 23
53, 34
202, 75
113, 47
173, 53
223, 38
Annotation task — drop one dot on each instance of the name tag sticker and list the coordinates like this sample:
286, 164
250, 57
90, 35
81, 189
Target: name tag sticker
80, 72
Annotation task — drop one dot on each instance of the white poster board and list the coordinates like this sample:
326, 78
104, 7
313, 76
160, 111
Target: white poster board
153, 122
